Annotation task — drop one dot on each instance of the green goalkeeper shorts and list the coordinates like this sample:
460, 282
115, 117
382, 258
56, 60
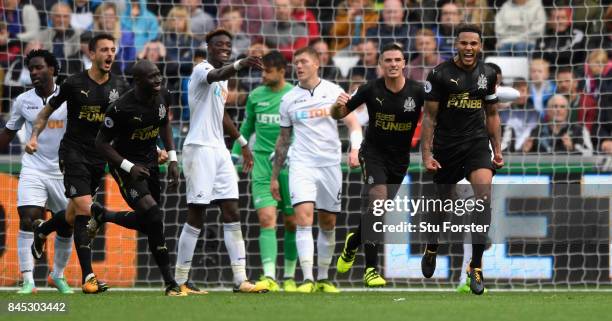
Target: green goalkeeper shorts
260, 185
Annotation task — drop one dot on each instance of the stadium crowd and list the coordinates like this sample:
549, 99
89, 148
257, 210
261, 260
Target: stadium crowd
566, 96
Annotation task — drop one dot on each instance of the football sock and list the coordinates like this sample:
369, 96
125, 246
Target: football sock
61, 255
82, 245
186, 246
26, 260
291, 255
232, 235
305, 249
268, 248
326, 243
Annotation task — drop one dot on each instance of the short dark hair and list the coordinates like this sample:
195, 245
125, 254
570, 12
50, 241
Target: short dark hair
199, 53
229, 9
392, 46
101, 36
217, 32
274, 59
466, 27
519, 82
308, 50
49, 58
495, 67
566, 69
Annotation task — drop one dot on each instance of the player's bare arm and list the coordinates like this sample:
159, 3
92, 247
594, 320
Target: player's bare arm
165, 133
338, 109
494, 131
6, 136
228, 71
282, 148
39, 124
427, 129
356, 137
232, 131
103, 145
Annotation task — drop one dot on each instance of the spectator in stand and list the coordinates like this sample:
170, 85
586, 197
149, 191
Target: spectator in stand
354, 17
155, 52
142, 22
450, 18
558, 136
201, 22
179, 43
518, 121
561, 44
82, 16
230, 19
106, 19
478, 12
327, 69
541, 88
427, 59
283, 33
22, 21
367, 67
250, 78
518, 24
60, 38
198, 56
79, 61
603, 127
305, 16
392, 26
596, 71
583, 108
603, 40
17, 74
255, 13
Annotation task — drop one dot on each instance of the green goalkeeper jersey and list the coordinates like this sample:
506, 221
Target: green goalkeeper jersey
262, 118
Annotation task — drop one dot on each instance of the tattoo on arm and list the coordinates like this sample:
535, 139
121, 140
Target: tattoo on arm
220, 74
282, 147
427, 127
41, 120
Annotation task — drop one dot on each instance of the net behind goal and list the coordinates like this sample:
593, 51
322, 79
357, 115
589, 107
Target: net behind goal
559, 47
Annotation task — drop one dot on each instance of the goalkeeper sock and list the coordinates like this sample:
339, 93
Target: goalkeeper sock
371, 255
186, 246
305, 249
26, 260
291, 255
61, 255
82, 245
326, 243
232, 235
268, 248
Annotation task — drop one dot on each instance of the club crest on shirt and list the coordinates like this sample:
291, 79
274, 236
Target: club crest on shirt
427, 86
162, 111
108, 122
482, 82
409, 105
113, 95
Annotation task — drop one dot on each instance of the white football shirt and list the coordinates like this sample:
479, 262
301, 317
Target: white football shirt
316, 142
25, 109
206, 108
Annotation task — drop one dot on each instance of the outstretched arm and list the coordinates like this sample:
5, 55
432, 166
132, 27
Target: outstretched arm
494, 131
226, 72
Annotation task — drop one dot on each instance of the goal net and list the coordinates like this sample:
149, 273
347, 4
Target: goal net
559, 146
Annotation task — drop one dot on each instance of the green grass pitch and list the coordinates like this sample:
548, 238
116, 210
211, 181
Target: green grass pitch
353, 306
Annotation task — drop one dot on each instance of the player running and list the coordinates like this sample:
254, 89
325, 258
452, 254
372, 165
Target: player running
40, 181
207, 164
456, 92
133, 123
262, 119
315, 177
394, 106
88, 95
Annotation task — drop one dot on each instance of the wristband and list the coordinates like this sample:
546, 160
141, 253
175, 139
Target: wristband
158, 149
237, 65
242, 141
126, 165
356, 137
172, 156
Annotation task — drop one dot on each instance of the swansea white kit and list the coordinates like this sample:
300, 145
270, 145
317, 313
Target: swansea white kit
207, 164
314, 165
40, 181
